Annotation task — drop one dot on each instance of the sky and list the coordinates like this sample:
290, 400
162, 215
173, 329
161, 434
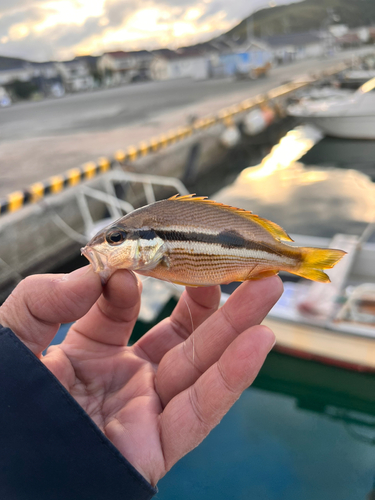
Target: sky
42, 30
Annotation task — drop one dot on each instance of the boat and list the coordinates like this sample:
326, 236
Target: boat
350, 116
355, 78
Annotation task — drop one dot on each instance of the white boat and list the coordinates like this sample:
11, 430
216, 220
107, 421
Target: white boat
358, 76
347, 116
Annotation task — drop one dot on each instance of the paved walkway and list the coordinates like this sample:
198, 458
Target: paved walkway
24, 160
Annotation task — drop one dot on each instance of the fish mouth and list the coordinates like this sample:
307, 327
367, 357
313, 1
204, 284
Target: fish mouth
98, 260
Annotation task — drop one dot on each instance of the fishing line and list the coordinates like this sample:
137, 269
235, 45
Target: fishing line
191, 319
192, 326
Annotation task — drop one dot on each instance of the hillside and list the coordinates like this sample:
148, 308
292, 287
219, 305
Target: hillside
11, 62
306, 16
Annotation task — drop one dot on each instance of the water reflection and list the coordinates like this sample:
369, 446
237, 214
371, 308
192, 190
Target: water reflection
342, 153
304, 200
304, 430
269, 449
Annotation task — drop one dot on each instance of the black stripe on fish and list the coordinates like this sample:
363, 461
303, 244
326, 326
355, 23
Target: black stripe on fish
226, 239
133, 234
143, 234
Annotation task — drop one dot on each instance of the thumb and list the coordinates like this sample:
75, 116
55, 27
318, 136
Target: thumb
40, 303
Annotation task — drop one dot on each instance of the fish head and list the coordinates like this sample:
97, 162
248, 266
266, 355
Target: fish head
121, 247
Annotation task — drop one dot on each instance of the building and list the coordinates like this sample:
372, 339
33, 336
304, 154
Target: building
48, 79
338, 30
15, 69
349, 40
123, 67
5, 99
297, 46
363, 33
183, 63
251, 58
76, 75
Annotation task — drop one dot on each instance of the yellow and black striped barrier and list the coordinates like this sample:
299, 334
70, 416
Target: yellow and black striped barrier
55, 184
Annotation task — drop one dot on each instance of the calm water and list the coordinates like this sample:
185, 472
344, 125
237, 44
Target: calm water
268, 449
343, 153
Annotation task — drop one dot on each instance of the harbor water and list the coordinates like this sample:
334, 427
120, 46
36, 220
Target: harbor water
270, 449
343, 153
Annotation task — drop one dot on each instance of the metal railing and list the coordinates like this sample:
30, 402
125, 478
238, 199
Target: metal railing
116, 206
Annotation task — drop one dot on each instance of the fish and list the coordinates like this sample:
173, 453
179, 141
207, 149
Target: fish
193, 241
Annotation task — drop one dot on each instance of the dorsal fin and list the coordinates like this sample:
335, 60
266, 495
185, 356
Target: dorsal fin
274, 229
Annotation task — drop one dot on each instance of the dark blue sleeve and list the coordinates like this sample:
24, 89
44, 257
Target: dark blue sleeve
49, 446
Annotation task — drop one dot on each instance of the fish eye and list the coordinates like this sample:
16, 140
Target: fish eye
116, 237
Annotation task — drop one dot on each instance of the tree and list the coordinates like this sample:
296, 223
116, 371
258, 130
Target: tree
22, 90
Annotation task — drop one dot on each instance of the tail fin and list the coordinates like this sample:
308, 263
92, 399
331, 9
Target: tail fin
316, 259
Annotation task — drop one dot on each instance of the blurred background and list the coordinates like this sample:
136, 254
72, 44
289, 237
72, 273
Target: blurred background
106, 105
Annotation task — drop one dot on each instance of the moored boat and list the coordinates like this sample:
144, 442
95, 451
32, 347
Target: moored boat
350, 116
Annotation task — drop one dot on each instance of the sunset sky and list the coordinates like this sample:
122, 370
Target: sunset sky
60, 29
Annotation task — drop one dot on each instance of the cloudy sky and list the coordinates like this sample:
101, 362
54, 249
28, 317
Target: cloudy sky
60, 29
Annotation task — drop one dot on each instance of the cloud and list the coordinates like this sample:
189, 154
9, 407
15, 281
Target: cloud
47, 29
16, 5
27, 16
117, 11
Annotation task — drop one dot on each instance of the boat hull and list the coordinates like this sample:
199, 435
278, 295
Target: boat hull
346, 127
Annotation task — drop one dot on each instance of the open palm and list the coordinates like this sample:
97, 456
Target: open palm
155, 400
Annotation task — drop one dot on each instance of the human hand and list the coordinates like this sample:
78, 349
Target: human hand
158, 399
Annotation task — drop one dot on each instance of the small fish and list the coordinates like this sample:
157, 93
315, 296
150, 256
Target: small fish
194, 241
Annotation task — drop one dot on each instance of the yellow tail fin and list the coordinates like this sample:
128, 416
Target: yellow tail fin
316, 259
